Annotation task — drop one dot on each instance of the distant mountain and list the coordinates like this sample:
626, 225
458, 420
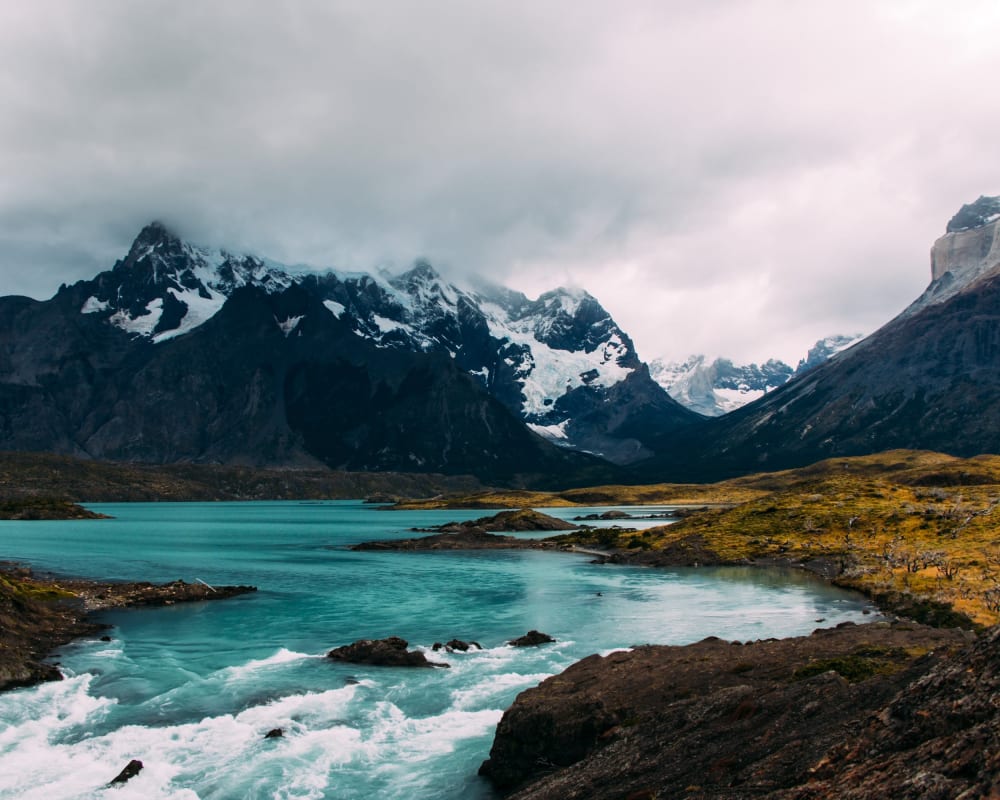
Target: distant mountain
181, 353
720, 386
929, 379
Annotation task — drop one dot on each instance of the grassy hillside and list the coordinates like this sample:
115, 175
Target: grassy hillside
901, 526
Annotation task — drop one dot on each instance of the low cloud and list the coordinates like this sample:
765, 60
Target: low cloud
734, 178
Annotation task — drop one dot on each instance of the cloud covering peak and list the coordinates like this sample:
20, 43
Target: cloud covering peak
737, 178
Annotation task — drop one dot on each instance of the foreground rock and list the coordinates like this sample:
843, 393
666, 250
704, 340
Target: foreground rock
133, 768
390, 652
762, 719
532, 638
38, 615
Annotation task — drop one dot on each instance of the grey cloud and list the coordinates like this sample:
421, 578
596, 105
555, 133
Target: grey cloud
661, 155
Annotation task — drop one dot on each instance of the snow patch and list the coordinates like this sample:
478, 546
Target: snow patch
143, 324
290, 324
93, 305
334, 307
731, 399
199, 310
554, 433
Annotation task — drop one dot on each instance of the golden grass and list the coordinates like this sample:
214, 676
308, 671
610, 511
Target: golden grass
924, 525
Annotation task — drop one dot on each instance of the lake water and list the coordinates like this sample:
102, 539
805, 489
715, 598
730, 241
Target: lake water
190, 690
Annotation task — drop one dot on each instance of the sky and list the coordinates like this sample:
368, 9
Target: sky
728, 177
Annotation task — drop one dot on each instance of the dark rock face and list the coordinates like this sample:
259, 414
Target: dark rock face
133, 768
721, 719
532, 638
390, 652
274, 733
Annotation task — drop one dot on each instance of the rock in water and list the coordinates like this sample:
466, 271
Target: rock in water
390, 652
133, 768
531, 639
274, 733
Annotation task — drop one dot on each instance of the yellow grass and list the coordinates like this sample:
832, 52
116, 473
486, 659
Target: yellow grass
924, 524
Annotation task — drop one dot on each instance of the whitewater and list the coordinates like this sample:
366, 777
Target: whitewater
192, 690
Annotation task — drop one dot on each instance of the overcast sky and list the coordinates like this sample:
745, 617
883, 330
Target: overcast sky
736, 177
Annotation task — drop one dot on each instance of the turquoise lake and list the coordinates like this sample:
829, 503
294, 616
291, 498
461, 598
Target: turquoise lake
191, 689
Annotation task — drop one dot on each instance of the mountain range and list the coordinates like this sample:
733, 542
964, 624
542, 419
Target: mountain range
182, 353
716, 387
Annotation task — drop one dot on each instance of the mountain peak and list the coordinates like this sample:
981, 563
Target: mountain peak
975, 215
422, 270
154, 236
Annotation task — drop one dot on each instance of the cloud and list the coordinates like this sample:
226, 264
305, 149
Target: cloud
736, 177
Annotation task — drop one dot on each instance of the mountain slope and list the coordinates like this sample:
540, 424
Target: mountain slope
929, 379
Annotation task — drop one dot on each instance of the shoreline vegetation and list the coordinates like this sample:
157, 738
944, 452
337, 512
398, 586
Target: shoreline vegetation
917, 532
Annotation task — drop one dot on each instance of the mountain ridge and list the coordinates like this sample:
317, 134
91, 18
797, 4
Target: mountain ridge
85, 372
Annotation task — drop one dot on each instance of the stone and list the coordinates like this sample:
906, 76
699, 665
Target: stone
532, 638
133, 768
388, 652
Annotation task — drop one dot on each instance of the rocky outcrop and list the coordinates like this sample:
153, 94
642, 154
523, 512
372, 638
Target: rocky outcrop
133, 768
474, 534
725, 719
939, 738
524, 519
473, 539
532, 638
37, 615
456, 645
969, 251
45, 508
389, 652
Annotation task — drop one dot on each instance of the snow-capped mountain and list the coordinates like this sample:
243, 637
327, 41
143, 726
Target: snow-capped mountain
560, 363
717, 387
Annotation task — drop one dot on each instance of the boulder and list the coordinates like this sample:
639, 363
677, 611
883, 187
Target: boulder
133, 768
531, 639
389, 652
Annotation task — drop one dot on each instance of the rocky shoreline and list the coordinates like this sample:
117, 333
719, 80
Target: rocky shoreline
887, 709
39, 614
859, 711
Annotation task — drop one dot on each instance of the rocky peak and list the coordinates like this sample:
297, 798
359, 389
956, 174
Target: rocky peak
825, 349
969, 251
975, 215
